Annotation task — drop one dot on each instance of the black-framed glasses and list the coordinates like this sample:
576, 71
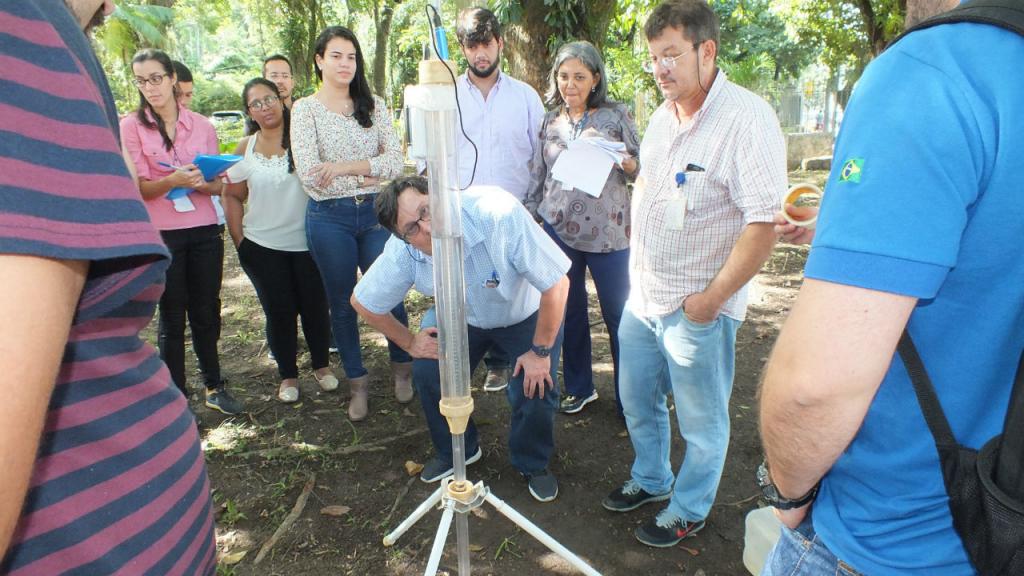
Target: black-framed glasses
666, 62
154, 79
266, 102
414, 228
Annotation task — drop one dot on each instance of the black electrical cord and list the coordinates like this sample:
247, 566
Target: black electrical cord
433, 40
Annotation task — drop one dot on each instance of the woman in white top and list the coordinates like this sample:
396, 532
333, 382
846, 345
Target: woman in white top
271, 239
344, 146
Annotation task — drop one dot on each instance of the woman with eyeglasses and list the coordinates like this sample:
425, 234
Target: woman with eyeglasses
266, 211
344, 146
592, 231
162, 139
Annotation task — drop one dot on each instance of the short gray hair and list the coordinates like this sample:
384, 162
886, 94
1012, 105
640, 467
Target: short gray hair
586, 53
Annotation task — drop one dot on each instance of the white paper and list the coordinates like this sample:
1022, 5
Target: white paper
183, 204
583, 166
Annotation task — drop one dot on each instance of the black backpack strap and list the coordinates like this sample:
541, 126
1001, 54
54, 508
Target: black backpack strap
926, 396
1008, 14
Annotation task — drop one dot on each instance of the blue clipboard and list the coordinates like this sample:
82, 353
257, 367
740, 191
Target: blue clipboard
211, 165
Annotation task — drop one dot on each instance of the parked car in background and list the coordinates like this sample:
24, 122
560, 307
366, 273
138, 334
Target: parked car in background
227, 116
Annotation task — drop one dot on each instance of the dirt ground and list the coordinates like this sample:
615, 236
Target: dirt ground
357, 488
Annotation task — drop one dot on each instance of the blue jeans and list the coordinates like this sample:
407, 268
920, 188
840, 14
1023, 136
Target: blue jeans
531, 430
695, 362
610, 272
344, 235
801, 553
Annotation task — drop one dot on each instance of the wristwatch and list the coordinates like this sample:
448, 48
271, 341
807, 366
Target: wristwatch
771, 493
541, 351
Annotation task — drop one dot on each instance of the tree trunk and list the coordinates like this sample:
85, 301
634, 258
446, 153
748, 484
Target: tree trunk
380, 54
527, 46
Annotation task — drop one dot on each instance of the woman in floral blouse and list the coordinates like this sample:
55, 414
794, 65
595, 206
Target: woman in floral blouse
344, 146
593, 232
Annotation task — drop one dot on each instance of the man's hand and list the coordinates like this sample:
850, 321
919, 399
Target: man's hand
701, 308
792, 518
791, 232
424, 344
536, 374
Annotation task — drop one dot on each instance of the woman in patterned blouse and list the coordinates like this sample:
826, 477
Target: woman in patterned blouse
593, 232
344, 146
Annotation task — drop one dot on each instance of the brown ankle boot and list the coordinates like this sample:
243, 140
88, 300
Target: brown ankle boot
403, 381
357, 404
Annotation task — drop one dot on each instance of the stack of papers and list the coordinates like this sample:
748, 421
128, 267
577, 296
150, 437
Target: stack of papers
586, 163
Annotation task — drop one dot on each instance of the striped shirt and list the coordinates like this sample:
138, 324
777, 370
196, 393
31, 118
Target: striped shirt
734, 158
119, 484
509, 261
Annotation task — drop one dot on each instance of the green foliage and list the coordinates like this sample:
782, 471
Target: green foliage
752, 30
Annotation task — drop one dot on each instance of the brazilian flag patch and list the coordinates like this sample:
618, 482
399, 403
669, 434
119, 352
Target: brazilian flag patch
852, 170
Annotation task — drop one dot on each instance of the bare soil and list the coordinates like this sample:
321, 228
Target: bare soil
260, 463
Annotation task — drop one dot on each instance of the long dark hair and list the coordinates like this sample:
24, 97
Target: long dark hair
252, 126
140, 112
359, 89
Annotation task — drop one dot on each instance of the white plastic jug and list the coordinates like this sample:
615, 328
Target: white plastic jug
761, 534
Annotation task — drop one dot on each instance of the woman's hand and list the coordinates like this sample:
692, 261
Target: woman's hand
189, 176
326, 173
628, 164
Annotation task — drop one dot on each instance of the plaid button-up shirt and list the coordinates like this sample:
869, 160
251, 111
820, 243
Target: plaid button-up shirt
734, 158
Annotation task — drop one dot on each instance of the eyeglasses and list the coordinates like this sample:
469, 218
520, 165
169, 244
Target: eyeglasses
154, 79
266, 102
414, 228
279, 76
667, 62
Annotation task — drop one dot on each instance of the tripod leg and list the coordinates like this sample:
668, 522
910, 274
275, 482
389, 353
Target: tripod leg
540, 535
425, 507
439, 540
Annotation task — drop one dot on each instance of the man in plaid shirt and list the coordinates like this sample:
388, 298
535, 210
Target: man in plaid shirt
712, 176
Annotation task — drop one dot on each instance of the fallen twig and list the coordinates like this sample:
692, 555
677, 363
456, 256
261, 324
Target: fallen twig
740, 502
398, 500
290, 519
314, 449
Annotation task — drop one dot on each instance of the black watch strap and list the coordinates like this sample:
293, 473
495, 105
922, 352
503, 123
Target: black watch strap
771, 493
541, 351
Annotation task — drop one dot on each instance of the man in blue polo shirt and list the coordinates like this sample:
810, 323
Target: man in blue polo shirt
919, 229
516, 289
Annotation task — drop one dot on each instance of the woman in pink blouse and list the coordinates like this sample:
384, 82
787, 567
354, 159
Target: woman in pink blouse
343, 145
163, 138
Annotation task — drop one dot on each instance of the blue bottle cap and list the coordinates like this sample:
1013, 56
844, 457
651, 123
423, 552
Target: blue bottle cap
680, 178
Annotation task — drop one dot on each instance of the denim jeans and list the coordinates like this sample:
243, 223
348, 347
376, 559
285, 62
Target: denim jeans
801, 553
192, 290
344, 236
695, 363
288, 285
610, 272
531, 429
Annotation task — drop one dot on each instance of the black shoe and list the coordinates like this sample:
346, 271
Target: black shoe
631, 496
573, 404
666, 530
437, 468
543, 486
222, 400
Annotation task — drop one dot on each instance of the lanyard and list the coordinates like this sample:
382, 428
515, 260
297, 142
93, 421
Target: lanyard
577, 128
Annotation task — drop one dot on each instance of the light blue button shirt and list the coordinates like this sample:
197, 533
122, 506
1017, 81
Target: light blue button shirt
509, 261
